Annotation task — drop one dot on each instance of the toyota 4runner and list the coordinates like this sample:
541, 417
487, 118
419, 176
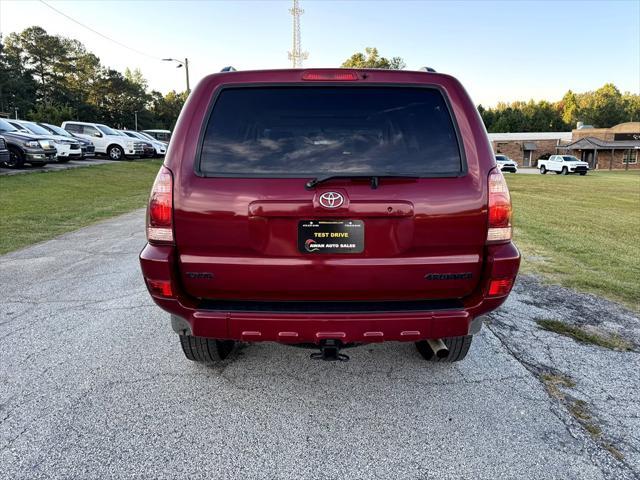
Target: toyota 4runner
329, 208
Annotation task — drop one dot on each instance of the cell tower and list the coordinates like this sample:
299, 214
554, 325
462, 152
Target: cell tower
297, 55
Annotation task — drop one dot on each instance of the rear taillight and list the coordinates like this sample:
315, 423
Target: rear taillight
160, 210
500, 287
160, 288
499, 209
330, 75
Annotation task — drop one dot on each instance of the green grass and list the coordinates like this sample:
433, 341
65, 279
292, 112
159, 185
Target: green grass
40, 206
581, 232
612, 342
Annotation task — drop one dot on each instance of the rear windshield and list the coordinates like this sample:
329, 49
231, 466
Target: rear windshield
299, 131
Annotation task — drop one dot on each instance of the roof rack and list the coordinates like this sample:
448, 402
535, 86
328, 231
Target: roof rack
228, 69
428, 69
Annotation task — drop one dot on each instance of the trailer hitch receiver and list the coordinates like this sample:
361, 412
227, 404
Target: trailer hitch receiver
330, 351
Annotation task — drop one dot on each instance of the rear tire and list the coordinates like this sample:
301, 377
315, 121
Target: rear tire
458, 348
543, 170
205, 350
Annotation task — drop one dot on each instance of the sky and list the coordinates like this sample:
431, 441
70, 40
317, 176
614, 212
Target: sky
500, 50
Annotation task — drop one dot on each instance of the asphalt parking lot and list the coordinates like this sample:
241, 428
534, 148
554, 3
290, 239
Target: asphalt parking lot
95, 386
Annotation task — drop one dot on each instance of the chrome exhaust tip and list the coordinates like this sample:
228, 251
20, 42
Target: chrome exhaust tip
438, 347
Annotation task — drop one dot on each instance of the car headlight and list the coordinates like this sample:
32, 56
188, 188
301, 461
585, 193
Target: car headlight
32, 144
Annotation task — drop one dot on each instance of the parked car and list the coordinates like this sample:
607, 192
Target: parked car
35, 150
86, 146
148, 150
160, 148
160, 135
329, 208
564, 164
4, 151
505, 164
106, 140
67, 148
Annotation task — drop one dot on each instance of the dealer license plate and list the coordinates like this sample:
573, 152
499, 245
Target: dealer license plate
331, 236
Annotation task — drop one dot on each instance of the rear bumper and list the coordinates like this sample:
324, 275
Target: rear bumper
436, 320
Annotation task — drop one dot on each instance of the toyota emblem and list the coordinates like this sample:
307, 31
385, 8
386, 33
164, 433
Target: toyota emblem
331, 199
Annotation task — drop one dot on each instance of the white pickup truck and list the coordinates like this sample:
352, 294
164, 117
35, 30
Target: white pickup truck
564, 164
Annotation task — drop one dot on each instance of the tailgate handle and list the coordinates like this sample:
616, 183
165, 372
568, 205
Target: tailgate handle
298, 208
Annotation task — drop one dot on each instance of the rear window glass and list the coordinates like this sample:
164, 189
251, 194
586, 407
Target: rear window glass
298, 131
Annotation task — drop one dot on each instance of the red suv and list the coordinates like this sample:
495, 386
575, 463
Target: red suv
329, 208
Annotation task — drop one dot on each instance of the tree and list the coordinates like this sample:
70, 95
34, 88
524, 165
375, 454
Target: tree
136, 78
372, 59
53, 114
17, 85
569, 107
166, 109
603, 107
117, 99
631, 106
47, 58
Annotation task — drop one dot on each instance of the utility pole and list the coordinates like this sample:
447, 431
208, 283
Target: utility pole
296, 55
181, 63
186, 71
136, 117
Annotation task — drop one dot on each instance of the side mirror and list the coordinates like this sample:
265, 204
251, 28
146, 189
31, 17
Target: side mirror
97, 134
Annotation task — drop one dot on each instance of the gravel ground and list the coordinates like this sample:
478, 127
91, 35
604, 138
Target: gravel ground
95, 386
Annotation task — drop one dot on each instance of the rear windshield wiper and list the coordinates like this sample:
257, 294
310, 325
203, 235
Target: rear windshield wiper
375, 178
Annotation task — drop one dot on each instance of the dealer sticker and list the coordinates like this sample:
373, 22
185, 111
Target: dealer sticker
331, 236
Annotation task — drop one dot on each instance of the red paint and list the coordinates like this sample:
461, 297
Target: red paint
244, 232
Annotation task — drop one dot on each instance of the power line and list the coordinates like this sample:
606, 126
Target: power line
98, 33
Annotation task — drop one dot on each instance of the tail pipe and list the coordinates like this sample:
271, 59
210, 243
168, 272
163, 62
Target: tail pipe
438, 347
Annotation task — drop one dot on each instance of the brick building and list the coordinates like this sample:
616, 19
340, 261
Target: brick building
526, 148
606, 148
617, 147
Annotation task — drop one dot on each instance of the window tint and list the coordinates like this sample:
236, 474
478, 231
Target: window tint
6, 126
72, 127
35, 128
56, 130
321, 130
89, 130
107, 131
